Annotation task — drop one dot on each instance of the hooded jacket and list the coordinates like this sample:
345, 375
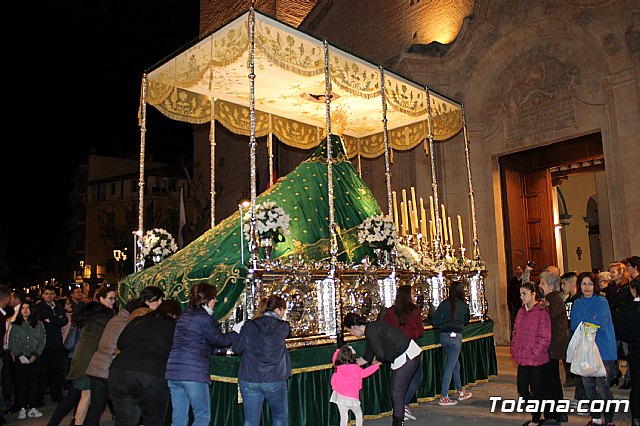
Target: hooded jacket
264, 354
93, 318
384, 342
531, 336
595, 310
196, 336
347, 378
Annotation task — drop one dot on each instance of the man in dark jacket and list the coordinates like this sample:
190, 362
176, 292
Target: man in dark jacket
550, 284
52, 369
513, 294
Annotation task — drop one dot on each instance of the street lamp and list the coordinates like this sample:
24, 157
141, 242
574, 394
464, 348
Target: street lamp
120, 256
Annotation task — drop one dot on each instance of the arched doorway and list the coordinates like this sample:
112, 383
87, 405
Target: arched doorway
544, 219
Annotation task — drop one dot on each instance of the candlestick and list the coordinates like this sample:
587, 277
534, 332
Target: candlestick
423, 220
460, 231
395, 209
443, 222
450, 232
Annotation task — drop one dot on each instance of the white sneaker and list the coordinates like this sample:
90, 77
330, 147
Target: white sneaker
22, 414
34, 413
408, 415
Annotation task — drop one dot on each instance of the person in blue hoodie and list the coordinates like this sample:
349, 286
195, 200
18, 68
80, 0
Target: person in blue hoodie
589, 307
265, 366
196, 337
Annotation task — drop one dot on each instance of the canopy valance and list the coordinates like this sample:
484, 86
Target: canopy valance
290, 91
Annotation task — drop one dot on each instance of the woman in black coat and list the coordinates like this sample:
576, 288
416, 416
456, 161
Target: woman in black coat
388, 344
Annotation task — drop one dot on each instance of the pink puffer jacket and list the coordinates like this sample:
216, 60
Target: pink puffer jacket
531, 336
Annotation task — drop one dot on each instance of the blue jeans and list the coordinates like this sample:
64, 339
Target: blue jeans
598, 388
451, 347
253, 396
194, 394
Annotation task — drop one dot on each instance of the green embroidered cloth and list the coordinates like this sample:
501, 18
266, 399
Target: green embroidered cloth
215, 256
309, 387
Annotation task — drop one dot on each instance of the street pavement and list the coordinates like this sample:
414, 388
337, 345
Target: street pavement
472, 412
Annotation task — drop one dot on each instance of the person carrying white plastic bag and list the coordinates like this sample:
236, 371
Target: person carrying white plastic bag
594, 309
583, 353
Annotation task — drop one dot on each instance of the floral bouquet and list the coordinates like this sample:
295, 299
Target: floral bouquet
378, 232
157, 245
271, 222
408, 258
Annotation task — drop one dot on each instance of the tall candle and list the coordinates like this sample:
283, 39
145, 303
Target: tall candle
423, 221
405, 219
450, 231
395, 209
444, 222
443, 231
431, 209
413, 199
460, 231
414, 219
432, 227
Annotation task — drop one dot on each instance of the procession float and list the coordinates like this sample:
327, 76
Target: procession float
317, 236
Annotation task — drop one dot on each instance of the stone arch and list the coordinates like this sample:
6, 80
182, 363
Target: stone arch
542, 52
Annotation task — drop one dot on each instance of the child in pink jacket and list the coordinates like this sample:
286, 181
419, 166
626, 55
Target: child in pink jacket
346, 383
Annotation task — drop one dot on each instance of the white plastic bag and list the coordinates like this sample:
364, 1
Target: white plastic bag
585, 355
573, 343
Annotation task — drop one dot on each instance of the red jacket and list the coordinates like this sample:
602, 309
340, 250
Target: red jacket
531, 336
412, 328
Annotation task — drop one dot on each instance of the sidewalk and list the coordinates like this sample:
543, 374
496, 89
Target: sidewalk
477, 410
472, 412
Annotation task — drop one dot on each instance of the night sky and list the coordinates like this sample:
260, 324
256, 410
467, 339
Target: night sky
72, 72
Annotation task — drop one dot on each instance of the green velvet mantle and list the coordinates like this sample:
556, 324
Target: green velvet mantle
310, 388
215, 257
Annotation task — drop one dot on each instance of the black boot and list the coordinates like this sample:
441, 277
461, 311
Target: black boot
398, 421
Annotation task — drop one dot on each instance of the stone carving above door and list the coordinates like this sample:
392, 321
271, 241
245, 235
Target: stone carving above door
534, 95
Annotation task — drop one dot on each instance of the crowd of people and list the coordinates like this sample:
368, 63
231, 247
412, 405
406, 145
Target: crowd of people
145, 357
546, 315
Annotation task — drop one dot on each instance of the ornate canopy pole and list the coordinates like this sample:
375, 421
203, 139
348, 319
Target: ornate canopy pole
253, 247
143, 132
434, 181
251, 291
387, 167
212, 142
333, 240
270, 150
476, 247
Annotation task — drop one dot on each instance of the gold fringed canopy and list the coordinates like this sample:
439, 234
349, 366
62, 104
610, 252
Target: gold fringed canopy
289, 87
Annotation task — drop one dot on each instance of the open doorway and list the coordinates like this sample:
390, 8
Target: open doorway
583, 216
555, 206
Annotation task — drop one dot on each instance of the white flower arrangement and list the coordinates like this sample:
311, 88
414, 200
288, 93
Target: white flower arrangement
378, 232
408, 258
271, 221
157, 244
